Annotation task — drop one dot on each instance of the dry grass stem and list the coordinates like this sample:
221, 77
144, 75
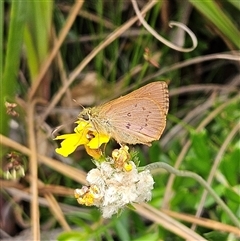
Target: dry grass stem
167, 222
203, 222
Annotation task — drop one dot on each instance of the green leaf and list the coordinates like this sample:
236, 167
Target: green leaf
122, 226
232, 195
216, 235
230, 167
154, 152
70, 236
149, 236
200, 144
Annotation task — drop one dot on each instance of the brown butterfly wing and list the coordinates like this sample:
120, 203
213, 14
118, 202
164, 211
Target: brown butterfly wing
138, 117
157, 91
134, 120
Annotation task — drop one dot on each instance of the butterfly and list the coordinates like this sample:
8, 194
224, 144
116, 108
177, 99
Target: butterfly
136, 118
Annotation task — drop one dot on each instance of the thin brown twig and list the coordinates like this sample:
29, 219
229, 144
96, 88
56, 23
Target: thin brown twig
203, 222
231, 56
24, 195
42, 189
55, 208
127, 34
57, 211
90, 16
202, 88
33, 168
167, 222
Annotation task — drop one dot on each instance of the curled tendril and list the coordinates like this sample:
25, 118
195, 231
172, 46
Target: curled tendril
171, 24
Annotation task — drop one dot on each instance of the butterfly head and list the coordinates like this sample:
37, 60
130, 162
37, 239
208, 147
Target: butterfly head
85, 114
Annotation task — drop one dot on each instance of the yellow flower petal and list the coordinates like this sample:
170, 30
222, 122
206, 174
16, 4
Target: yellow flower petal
95, 153
84, 135
61, 137
71, 142
98, 140
82, 125
127, 167
64, 152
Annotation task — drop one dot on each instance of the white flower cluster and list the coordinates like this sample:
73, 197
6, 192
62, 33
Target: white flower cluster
115, 188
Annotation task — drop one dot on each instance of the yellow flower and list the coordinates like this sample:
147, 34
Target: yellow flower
84, 135
121, 158
88, 196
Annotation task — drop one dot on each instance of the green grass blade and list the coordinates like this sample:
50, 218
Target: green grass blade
32, 56
235, 3
42, 18
36, 35
221, 20
1, 38
14, 45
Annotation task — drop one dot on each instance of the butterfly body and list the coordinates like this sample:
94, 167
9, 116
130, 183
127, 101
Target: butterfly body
136, 118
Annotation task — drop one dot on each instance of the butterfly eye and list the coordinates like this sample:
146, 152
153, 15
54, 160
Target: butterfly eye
85, 117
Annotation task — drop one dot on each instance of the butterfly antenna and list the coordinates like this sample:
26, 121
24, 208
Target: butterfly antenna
56, 130
79, 104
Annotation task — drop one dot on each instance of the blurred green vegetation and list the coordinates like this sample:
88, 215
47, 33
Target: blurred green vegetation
204, 103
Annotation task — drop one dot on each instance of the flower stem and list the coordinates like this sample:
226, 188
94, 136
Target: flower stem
170, 169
